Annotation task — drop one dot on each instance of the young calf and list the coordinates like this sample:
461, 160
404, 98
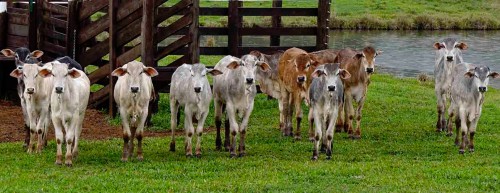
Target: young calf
467, 97
325, 95
268, 80
22, 55
132, 94
190, 88
448, 55
36, 95
235, 91
69, 98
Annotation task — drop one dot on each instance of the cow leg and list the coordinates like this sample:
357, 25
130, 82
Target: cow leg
139, 133
58, 126
298, 114
330, 131
227, 138
440, 109
41, 129
174, 108
231, 115
285, 100
126, 134
218, 124
349, 115
463, 129
78, 132
310, 117
26, 121
70, 136
472, 132
282, 118
317, 135
458, 122
131, 142
199, 133
32, 119
188, 127
339, 125
451, 116
357, 134
243, 129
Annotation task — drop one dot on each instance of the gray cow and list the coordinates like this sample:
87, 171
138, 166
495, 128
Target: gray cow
190, 88
448, 55
234, 91
467, 97
326, 95
268, 80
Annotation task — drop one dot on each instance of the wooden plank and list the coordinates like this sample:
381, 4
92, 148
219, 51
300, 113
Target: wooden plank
103, 71
21, 19
165, 32
233, 25
54, 8
276, 23
18, 30
3, 30
54, 21
17, 41
148, 33
11, 10
93, 29
53, 34
214, 31
99, 74
96, 96
245, 50
165, 13
278, 11
214, 50
35, 21
50, 47
89, 7
194, 47
290, 31
322, 19
73, 8
181, 42
182, 60
217, 11
113, 10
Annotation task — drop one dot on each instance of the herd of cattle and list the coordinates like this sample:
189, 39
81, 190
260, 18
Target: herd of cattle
327, 81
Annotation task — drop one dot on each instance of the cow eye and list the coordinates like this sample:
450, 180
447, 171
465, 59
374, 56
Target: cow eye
66, 75
307, 66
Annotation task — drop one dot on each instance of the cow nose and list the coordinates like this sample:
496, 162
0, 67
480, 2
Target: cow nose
134, 89
449, 58
249, 80
301, 79
369, 70
59, 90
482, 89
331, 88
197, 89
30, 90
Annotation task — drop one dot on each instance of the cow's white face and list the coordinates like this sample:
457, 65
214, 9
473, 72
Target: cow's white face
449, 51
198, 76
134, 71
61, 73
248, 66
29, 73
480, 77
331, 73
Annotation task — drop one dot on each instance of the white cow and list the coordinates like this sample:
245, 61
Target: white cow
132, 93
190, 88
69, 99
36, 95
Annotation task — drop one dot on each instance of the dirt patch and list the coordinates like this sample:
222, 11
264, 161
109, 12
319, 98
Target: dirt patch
95, 125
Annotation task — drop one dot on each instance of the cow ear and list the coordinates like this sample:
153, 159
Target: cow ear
8, 53
233, 65
462, 46
494, 75
45, 72
17, 73
119, 71
378, 52
318, 73
264, 66
438, 46
214, 72
470, 73
74, 73
256, 53
36, 54
359, 55
150, 71
344, 74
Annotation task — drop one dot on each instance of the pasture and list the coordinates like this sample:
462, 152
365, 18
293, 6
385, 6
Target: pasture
399, 151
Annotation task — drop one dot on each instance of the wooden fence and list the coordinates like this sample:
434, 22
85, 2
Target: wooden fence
105, 34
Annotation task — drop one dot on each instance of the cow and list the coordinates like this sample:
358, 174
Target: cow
36, 95
360, 64
268, 80
468, 88
68, 102
448, 55
190, 89
234, 92
23, 55
132, 93
326, 96
294, 73
325, 56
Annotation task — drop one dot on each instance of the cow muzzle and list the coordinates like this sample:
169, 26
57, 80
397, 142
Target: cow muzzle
301, 79
449, 58
30, 90
134, 89
59, 90
369, 70
331, 88
482, 89
249, 80
197, 89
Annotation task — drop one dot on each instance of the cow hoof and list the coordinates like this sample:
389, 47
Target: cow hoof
140, 158
461, 151
241, 155
298, 138
69, 164
457, 143
198, 155
189, 155
329, 157
25, 145
232, 155
356, 137
218, 148
438, 130
58, 162
449, 134
471, 150
124, 159
314, 158
172, 147
311, 139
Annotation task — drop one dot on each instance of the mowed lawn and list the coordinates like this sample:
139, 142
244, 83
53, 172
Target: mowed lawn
399, 151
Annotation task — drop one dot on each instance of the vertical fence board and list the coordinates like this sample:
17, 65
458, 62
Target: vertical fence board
323, 18
276, 22
148, 48
233, 36
113, 9
3, 30
194, 46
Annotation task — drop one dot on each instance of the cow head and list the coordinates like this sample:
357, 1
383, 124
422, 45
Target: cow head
28, 73
248, 64
304, 64
135, 72
367, 58
330, 73
61, 73
480, 77
198, 76
450, 50
23, 55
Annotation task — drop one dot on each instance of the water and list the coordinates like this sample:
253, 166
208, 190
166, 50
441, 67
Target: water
406, 53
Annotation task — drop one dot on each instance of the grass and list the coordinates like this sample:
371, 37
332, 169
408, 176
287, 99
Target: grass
399, 151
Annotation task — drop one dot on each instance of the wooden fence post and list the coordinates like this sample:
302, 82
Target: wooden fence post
113, 9
276, 22
73, 8
3, 28
148, 47
233, 25
323, 18
194, 46
35, 15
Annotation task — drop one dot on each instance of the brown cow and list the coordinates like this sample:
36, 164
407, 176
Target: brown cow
294, 72
361, 65
326, 56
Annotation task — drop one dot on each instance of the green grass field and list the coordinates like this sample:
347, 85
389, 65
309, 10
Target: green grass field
399, 152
